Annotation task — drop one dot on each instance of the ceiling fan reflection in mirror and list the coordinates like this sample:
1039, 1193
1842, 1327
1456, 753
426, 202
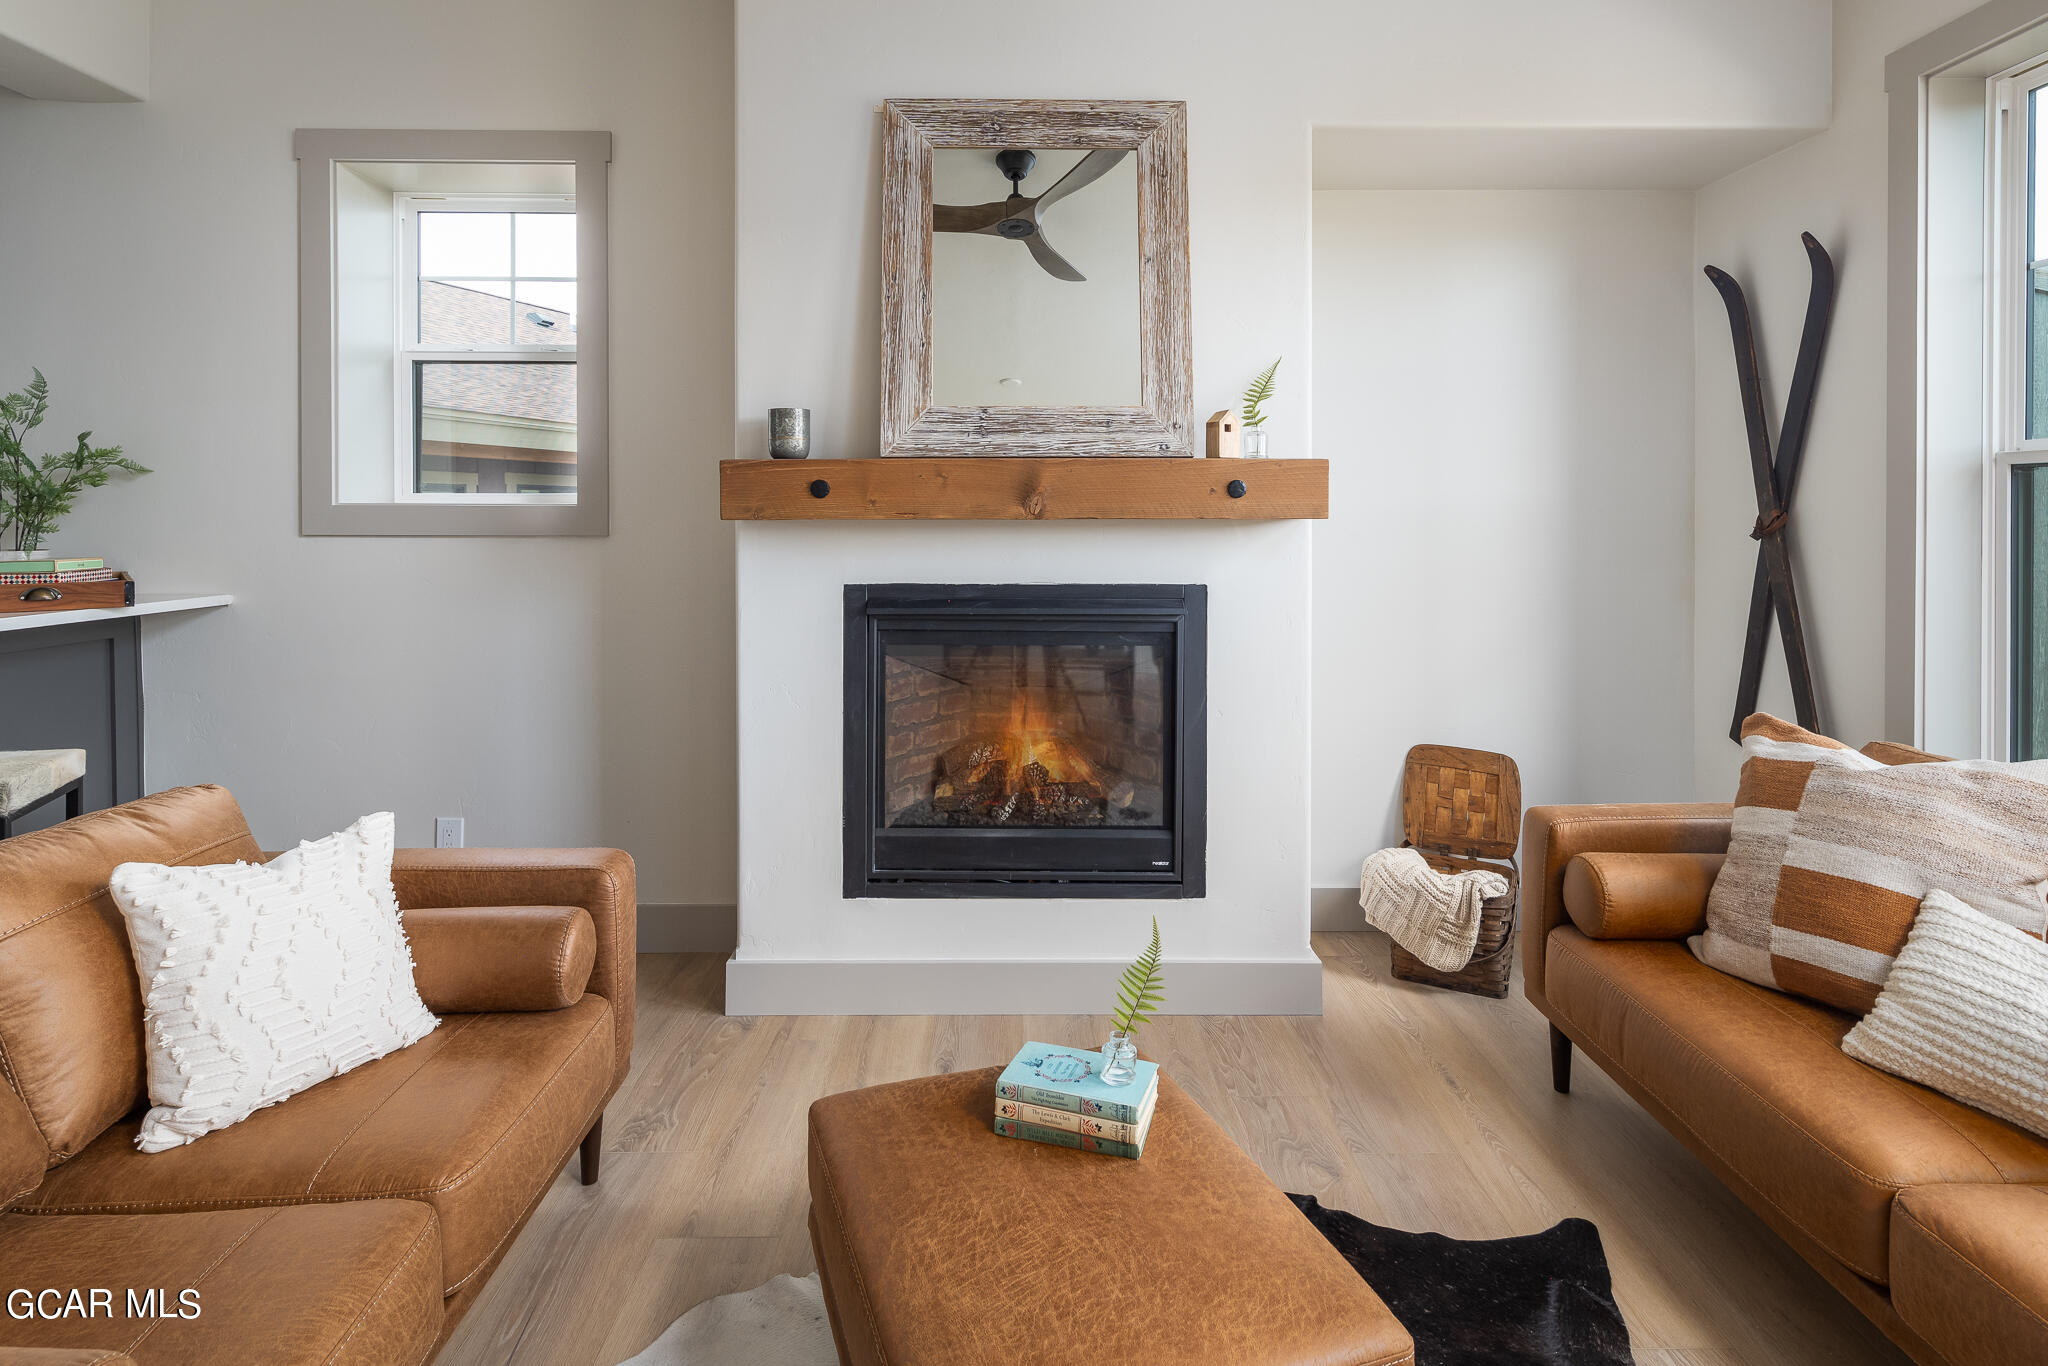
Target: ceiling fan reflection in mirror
1017, 217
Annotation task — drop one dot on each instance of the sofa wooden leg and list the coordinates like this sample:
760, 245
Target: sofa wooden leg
1560, 1061
593, 1151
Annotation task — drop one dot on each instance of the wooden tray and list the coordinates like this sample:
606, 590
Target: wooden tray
70, 596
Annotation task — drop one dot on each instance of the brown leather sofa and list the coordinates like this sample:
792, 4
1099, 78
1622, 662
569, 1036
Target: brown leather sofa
353, 1223
1930, 1216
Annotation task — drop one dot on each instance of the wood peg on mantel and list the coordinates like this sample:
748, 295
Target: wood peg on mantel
1225, 441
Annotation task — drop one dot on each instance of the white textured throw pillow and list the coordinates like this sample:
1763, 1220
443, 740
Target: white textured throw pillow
1965, 1011
259, 980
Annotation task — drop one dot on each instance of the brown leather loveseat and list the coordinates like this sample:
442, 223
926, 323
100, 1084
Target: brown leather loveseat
353, 1223
1930, 1216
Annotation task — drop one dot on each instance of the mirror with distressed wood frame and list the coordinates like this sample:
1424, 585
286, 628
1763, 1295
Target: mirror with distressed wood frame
1035, 279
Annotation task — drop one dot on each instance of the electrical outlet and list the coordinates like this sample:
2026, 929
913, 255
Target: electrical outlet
447, 832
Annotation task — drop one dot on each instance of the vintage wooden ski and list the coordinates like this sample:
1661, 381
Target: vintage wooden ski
1820, 304
1771, 509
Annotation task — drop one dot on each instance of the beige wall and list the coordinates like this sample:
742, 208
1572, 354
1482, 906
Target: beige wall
554, 691
75, 49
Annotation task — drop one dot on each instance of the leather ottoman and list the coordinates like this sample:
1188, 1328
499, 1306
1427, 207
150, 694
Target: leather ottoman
940, 1242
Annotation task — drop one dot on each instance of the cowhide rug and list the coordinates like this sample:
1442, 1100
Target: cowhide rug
781, 1323
1544, 1299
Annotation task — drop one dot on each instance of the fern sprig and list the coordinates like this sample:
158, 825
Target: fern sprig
1257, 393
1142, 989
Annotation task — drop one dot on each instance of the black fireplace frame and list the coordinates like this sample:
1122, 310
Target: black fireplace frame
1029, 862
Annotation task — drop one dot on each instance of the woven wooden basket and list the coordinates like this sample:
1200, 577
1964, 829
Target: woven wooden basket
1462, 808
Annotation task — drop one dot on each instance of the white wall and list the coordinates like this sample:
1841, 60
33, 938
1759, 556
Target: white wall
947, 956
1749, 224
365, 337
811, 75
583, 690
75, 49
570, 691
1504, 382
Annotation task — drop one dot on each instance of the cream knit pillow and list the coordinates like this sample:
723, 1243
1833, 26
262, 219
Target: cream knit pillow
260, 980
1965, 1011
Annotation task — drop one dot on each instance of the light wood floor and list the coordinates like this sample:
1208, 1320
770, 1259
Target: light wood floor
1414, 1108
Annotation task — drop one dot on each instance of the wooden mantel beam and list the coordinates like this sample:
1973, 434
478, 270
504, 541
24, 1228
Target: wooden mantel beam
979, 488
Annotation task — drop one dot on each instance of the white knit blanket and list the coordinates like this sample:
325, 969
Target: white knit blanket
1433, 915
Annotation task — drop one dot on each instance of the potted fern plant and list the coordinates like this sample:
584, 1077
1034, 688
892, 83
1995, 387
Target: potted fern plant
1254, 415
35, 494
1140, 991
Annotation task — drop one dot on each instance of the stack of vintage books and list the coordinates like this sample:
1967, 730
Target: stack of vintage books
56, 584
1056, 1095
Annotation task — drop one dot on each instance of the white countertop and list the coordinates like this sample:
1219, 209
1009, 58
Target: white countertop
146, 605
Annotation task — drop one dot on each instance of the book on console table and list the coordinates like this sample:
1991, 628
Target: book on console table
1094, 1126
11, 574
50, 564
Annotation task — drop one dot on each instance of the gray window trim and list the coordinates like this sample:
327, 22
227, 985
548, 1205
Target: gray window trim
317, 149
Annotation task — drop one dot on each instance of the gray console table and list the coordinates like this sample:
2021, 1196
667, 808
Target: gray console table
73, 680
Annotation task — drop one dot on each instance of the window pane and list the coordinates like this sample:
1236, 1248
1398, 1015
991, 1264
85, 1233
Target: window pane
465, 243
547, 244
546, 313
2037, 274
472, 313
495, 427
2030, 612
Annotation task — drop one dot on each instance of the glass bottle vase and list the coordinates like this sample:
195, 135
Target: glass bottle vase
1117, 1056
1252, 443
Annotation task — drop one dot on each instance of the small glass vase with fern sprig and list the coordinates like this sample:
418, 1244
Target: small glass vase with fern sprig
1252, 442
1139, 992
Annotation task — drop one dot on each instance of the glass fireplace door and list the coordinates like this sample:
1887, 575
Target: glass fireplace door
997, 734
1000, 739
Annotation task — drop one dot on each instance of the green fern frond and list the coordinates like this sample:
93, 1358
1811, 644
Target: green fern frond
1257, 393
34, 494
1142, 988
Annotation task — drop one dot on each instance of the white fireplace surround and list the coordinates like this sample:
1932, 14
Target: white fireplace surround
806, 949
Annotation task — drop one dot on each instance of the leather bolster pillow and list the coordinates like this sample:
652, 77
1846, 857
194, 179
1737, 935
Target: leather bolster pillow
1639, 896
467, 959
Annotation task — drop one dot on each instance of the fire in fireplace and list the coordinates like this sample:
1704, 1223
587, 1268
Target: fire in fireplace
1024, 740
1023, 735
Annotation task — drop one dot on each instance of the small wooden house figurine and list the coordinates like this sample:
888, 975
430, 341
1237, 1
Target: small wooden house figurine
1224, 438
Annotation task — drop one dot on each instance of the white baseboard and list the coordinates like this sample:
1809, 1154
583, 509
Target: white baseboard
1197, 987
1335, 908
677, 927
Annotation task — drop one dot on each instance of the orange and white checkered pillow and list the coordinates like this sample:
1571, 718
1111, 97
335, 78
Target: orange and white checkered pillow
1832, 851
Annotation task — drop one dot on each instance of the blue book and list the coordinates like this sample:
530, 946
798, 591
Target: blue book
1071, 1079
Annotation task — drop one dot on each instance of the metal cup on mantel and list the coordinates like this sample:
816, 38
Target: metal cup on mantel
789, 433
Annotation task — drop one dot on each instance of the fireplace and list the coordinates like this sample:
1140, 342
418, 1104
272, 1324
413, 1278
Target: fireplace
1041, 741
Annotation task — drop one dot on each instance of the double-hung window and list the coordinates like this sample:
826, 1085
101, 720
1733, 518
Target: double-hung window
2018, 354
486, 351
452, 333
